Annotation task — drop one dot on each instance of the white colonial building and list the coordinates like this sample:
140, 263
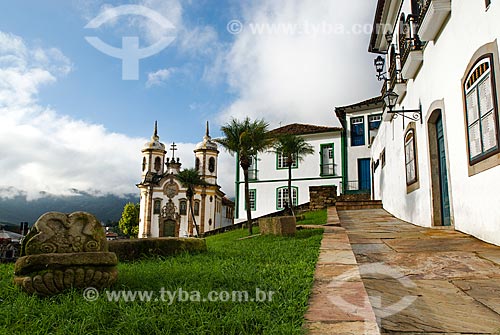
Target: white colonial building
269, 173
164, 207
442, 169
360, 122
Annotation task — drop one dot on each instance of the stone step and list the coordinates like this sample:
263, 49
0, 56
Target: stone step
356, 205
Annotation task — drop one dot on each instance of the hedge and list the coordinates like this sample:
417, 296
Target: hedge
129, 250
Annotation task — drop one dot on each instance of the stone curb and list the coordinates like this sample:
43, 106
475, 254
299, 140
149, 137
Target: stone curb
339, 302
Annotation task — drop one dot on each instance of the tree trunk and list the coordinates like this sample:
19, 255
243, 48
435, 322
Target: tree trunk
192, 215
290, 203
189, 194
245, 164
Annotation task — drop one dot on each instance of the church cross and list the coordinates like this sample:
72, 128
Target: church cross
173, 147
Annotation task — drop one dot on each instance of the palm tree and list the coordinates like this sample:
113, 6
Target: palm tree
189, 178
293, 148
245, 139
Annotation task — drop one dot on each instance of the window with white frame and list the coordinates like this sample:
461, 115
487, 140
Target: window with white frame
281, 161
410, 157
357, 131
252, 169
481, 111
282, 197
374, 121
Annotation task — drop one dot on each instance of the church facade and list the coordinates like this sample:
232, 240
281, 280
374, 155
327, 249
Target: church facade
164, 206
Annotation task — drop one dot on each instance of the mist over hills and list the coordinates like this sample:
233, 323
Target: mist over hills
106, 208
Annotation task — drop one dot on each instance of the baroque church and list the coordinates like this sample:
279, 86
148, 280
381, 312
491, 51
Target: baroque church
164, 206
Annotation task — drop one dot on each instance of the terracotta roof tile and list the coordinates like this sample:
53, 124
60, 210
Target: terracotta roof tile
303, 129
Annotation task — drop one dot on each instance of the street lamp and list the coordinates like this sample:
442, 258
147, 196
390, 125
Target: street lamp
379, 67
390, 100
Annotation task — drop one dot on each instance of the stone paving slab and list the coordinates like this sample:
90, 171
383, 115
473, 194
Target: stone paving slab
337, 257
427, 265
343, 328
406, 244
329, 272
340, 302
483, 290
370, 247
453, 278
491, 255
439, 307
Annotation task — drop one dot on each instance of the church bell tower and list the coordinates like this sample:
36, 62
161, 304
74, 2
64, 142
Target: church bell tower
206, 158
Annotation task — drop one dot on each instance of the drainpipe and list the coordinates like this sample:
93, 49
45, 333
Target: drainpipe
344, 159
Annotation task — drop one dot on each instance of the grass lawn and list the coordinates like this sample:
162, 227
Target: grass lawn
314, 218
282, 265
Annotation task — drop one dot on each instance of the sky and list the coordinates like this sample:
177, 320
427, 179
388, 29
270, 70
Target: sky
69, 121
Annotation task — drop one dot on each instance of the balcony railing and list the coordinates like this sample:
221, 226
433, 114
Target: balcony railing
423, 5
328, 169
409, 40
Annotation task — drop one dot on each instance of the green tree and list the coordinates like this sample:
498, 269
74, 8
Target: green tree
293, 148
129, 222
189, 178
246, 139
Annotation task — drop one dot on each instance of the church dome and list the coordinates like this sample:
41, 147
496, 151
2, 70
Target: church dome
207, 143
155, 143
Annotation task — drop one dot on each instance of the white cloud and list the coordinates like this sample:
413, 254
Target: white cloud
300, 75
158, 77
45, 152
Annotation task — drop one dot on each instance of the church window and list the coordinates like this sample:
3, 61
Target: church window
211, 164
196, 208
410, 157
481, 111
183, 207
157, 207
143, 163
282, 197
157, 164
197, 164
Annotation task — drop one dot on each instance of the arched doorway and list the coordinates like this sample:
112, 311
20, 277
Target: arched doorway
439, 170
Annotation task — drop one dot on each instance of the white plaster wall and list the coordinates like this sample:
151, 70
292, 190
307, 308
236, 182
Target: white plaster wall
473, 199
270, 178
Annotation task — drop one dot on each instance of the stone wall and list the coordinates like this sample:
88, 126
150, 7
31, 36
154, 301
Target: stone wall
322, 197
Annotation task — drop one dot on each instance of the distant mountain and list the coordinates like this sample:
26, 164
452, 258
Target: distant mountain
105, 208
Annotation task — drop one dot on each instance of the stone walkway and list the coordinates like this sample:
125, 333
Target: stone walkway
339, 303
419, 280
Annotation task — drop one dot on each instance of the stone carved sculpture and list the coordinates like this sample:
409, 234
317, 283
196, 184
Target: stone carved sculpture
65, 251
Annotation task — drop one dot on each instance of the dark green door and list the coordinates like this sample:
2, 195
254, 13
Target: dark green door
364, 175
443, 174
169, 228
